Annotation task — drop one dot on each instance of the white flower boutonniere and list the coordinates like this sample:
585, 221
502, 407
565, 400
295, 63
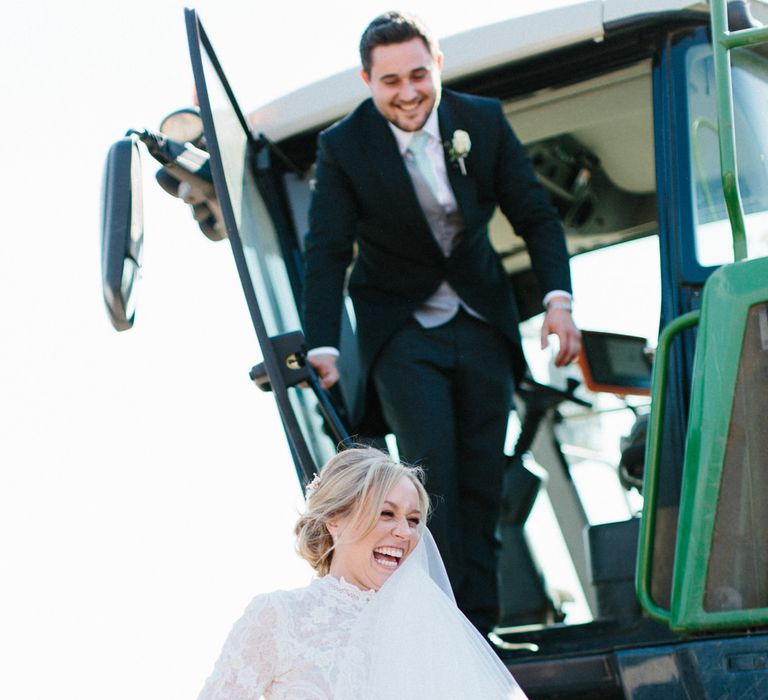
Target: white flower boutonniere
458, 149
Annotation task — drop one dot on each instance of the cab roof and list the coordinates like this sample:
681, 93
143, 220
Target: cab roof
468, 53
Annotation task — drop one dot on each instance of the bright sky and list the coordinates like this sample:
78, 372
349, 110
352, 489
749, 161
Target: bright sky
146, 492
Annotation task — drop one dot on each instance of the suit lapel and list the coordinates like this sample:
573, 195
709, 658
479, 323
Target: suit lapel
384, 157
461, 184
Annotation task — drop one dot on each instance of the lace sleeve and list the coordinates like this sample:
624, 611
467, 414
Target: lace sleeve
248, 661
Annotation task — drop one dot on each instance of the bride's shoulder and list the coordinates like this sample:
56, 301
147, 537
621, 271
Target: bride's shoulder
279, 601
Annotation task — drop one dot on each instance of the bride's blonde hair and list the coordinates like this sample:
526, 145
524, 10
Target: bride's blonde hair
354, 482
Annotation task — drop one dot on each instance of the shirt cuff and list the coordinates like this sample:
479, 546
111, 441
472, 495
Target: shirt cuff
323, 350
556, 293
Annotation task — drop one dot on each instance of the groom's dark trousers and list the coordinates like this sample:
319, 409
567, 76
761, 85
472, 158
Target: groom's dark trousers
445, 391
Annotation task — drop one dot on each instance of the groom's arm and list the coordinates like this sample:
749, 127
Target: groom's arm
328, 251
525, 203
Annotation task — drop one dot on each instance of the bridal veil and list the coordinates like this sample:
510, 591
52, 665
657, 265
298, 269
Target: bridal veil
412, 642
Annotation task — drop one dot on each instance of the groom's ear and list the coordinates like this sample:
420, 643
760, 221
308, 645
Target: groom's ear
439, 61
366, 78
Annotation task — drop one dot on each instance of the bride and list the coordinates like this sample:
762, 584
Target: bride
379, 622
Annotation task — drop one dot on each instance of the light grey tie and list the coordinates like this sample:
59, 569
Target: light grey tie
417, 148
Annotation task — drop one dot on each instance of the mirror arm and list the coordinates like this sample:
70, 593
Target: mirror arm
175, 156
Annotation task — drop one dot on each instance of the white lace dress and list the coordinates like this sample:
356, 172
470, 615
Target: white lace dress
408, 641
289, 644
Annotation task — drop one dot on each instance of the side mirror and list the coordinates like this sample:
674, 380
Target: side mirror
122, 231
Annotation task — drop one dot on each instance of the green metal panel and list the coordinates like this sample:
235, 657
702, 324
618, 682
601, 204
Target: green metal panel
728, 296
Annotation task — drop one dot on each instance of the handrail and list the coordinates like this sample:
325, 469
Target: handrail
722, 42
652, 461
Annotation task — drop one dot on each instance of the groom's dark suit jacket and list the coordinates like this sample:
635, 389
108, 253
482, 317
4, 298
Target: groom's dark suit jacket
364, 195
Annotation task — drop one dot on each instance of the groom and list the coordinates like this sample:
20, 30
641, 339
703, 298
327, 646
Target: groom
411, 179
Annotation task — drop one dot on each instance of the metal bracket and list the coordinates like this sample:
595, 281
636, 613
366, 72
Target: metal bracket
289, 349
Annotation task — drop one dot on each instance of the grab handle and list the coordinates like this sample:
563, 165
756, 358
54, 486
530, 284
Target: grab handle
652, 461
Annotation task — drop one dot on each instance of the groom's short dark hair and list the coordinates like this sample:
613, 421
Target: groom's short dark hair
393, 28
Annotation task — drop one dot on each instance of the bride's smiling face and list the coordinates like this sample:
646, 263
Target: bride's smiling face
367, 560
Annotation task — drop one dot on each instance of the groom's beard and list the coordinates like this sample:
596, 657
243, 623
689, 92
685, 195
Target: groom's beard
413, 120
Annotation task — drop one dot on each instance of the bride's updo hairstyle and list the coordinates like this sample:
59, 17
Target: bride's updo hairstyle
354, 482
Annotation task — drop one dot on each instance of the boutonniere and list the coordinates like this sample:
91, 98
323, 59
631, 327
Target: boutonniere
458, 148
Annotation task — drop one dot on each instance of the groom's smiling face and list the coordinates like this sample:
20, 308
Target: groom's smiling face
405, 82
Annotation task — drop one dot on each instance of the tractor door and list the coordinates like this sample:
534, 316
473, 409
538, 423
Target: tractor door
267, 254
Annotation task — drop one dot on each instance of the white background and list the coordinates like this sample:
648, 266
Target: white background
146, 492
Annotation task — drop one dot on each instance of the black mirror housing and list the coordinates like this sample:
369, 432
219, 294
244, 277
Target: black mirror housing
122, 231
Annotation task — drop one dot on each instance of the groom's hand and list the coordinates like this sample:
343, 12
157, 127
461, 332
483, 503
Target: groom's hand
325, 366
560, 323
